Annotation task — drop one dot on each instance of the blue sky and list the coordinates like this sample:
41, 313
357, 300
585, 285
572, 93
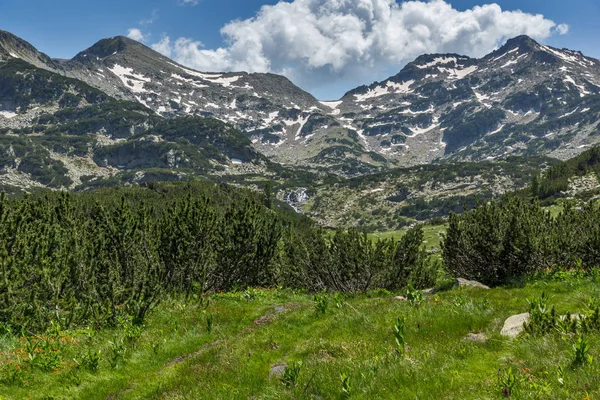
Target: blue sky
325, 64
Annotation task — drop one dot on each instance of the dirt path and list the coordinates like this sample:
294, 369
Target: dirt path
265, 319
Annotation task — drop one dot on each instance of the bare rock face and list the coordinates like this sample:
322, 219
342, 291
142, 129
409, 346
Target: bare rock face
460, 282
513, 326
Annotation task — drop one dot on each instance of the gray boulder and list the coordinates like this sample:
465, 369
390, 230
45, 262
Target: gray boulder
277, 370
513, 326
461, 282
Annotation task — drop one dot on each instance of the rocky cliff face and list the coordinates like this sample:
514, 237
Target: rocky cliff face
13, 47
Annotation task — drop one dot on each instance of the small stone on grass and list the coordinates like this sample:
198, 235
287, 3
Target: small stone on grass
460, 282
476, 337
277, 370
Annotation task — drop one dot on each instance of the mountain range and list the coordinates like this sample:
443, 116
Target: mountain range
121, 109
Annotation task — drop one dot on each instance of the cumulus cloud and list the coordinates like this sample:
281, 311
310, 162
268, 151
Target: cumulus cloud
562, 29
188, 2
315, 41
136, 34
163, 46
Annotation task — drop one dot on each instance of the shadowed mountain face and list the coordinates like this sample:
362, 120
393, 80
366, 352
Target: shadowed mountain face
523, 99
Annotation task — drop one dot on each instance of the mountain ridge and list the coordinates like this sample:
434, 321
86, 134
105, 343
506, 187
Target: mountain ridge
14, 47
523, 98
505, 81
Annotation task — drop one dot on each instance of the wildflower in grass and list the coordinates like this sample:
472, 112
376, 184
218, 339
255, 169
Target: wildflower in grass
508, 381
413, 296
340, 299
581, 349
209, 322
321, 304
346, 387
398, 330
291, 373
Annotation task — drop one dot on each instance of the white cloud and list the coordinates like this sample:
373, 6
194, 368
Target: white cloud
189, 2
316, 41
163, 46
562, 29
136, 34
151, 19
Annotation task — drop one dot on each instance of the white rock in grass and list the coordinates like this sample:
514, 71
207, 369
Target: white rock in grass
460, 282
513, 326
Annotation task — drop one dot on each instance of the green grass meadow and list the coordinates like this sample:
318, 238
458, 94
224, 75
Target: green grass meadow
347, 350
432, 235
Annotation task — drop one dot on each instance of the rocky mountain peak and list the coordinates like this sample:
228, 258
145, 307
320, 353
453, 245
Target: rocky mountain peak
14, 47
523, 98
523, 42
110, 47
10, 42
431, 60
520, 46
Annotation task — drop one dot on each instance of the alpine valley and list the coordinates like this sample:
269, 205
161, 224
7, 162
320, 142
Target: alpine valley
446, 130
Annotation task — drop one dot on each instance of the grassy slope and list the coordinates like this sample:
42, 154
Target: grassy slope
432, 235
177, 358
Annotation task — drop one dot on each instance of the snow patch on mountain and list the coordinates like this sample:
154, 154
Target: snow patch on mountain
582, 91
505, 54
225, 81
416, 131
411, 112
482, 98
496, 131
436, 61
8, 114
331, 104
270, 118
456, 74
569, 113
390, 87
218, 79
135, 82
362, 137
567, 57
189, 81
515, 61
